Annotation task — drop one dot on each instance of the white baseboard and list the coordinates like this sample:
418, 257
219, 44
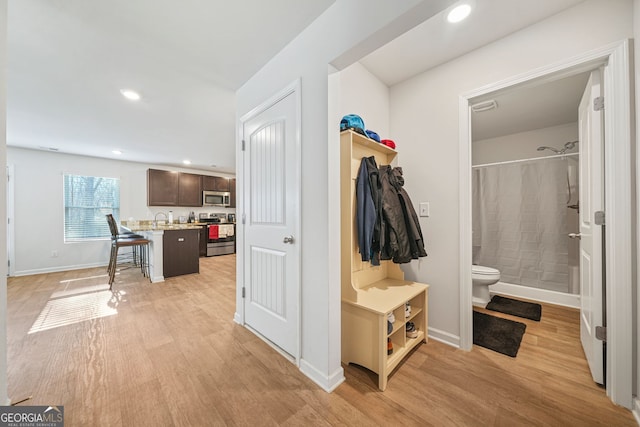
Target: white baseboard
328, 383
444, 337
59, 269
541, 295
636, 409
237, 318
157, 279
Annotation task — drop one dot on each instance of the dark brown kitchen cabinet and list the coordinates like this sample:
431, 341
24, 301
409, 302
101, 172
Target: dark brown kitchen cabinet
162, 188
215, 183
189, 189
180, 252
167, 188
232, 190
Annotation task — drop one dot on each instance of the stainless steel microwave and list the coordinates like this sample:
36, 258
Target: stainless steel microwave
216, 198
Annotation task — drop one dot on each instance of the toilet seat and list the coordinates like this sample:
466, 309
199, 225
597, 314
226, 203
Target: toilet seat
483, 271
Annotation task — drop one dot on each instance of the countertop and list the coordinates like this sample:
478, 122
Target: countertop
146, 225
150, 227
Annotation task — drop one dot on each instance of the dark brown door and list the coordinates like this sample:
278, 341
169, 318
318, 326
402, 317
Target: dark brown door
181, 252
232, 189
162, 188
190, 190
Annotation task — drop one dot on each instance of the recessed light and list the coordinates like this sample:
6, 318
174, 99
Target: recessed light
117, 152
458, 13
186, 162
130, 94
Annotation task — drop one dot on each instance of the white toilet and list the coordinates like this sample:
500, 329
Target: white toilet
482, 277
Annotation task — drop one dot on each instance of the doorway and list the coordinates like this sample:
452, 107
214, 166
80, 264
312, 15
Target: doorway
269, 258
525, 158
618, 208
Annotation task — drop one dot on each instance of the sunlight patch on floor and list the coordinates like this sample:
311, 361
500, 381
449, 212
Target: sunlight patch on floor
81, 290
75, 309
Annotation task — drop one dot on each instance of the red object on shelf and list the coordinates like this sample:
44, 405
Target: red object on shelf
213, 232
389, 143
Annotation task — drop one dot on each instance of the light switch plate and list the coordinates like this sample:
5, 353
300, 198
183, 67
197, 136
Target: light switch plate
424, 209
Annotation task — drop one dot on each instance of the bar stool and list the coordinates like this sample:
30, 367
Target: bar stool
138, 244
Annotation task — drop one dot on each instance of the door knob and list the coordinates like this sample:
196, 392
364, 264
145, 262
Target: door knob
575, 236
288, 239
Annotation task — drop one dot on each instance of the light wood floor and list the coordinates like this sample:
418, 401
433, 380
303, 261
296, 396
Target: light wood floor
170, 354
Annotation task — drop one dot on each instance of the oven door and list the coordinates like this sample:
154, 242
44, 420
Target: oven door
219, 243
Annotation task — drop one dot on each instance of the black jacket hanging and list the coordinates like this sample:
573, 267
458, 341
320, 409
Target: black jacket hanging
401, 236
416, 241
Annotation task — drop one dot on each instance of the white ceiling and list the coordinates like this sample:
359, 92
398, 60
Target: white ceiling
68, 59
519, 110
533, 107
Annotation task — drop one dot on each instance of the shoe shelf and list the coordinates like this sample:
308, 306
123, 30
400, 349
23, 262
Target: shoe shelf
370, 293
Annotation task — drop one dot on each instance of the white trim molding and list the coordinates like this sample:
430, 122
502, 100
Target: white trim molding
466, 221
618, 208
542, 295
327, 383
294, 88
444, 337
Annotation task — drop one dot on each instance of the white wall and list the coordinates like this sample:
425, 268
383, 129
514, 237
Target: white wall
4, 399
348, 30
429, 152
39, 213
523, 145
363, 94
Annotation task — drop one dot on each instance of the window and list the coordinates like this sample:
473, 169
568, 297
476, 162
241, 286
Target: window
87, 199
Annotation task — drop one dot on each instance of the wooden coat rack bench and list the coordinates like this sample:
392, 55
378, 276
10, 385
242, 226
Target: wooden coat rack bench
370, 293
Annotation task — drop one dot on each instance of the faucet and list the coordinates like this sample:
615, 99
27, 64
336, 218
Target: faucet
155, 218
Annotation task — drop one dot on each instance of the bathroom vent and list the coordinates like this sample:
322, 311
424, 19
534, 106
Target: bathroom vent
484, 106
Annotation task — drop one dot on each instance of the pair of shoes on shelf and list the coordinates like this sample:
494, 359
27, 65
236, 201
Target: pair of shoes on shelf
412, 331
390, 321
389, 346
407, 309
391, 318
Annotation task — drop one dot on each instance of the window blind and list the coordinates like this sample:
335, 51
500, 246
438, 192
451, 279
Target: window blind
87, 199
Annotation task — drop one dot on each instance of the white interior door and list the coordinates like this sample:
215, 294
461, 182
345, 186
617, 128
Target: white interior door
590, 121
271, 209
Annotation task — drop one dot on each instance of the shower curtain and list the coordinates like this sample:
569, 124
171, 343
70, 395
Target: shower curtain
520, 222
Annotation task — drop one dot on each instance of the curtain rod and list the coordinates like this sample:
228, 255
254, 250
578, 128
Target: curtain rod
525, 160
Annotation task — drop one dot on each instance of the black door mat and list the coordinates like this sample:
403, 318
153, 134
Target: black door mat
528, 310
497, 334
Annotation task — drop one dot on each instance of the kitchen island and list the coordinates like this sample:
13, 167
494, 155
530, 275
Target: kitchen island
173, 248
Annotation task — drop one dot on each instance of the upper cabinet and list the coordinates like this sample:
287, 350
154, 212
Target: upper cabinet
232, 189
167, 188
190, 190
162, 188
215, 183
